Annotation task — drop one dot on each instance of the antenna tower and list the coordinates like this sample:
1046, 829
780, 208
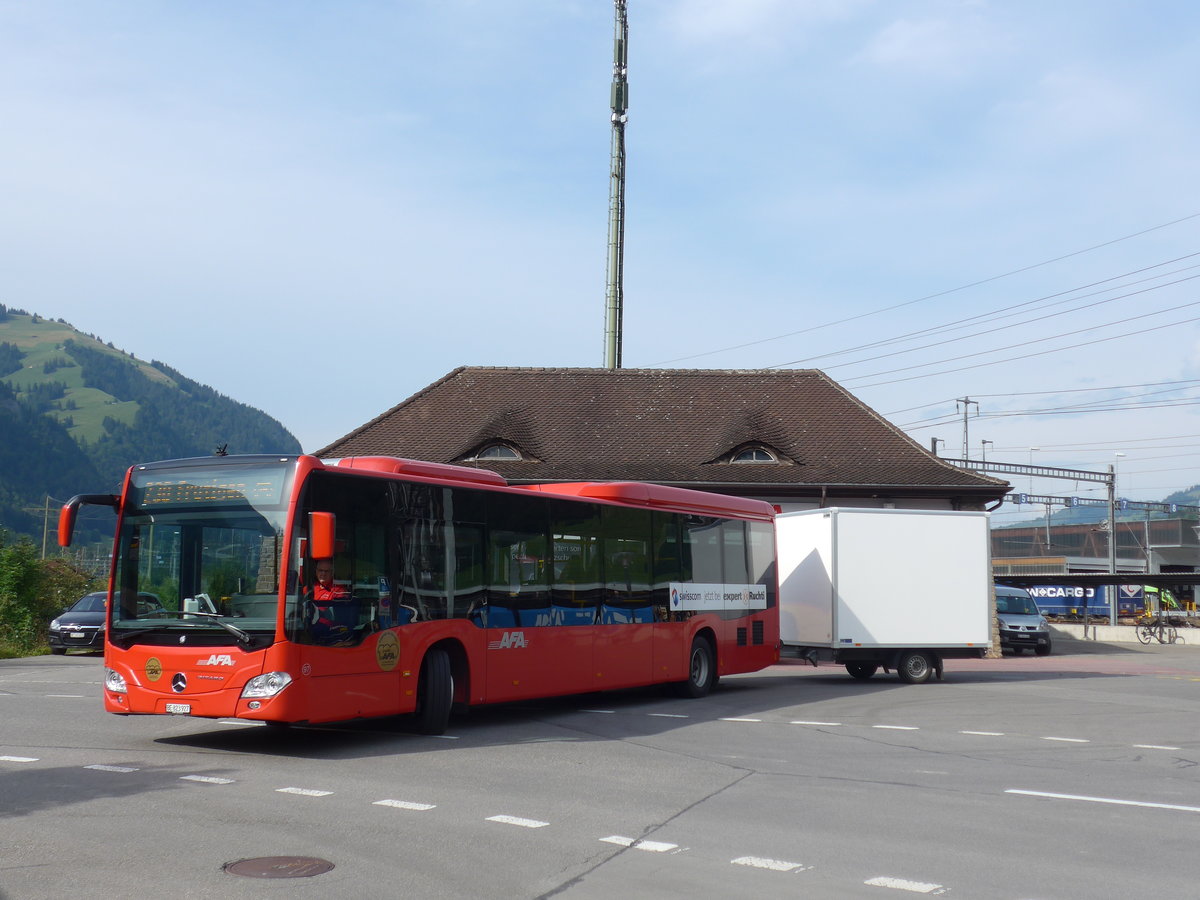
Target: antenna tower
615, 293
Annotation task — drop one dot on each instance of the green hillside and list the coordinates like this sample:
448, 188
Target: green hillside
76, 412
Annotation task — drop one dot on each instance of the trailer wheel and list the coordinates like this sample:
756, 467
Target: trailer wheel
435, 693
914, 667
862, 670
702, 671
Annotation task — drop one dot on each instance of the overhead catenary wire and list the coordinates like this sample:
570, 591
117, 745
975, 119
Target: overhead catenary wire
935, 295
1006, 313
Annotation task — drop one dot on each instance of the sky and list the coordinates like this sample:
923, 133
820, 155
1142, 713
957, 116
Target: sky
320, 208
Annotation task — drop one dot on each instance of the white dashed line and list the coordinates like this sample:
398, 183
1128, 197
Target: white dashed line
1067, 740
66, 696
405, 804
803, 722
303, 792
111, 768
775, 865
1085, 799
206, 779
668, 715
901, 884
898, 727
985, 733
635, 844
18, 759
604, 712
1154, 747
515, 820
734, 719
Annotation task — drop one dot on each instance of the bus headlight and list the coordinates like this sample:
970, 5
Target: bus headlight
267, 685
115, 682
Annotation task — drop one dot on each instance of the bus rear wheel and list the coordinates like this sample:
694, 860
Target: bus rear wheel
435, 693
702, 670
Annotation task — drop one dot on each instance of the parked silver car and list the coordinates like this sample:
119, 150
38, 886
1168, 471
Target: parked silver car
82, 626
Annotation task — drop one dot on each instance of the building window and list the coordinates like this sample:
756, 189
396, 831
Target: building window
496, 452
753, 455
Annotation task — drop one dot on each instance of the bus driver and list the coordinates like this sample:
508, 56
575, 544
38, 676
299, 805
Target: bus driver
326, 598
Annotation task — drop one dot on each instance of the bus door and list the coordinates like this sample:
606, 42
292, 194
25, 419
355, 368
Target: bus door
534, 647
349, 652
623, 651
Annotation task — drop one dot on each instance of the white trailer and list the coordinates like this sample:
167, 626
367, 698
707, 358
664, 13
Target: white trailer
884, 588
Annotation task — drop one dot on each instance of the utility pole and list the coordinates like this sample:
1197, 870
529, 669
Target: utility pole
615, 293
967, 403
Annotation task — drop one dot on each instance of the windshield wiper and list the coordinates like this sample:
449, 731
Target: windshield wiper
245, 640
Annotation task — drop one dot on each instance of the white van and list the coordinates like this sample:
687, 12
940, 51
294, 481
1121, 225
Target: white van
1022, 625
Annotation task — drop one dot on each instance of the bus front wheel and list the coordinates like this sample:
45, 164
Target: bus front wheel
702, 670
435, 693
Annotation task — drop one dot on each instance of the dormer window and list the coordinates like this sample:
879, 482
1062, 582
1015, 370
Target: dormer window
496, 451
753, 455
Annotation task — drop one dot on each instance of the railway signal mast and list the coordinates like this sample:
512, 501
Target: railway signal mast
615, 299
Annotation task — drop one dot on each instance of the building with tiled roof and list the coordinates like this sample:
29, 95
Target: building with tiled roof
792, 437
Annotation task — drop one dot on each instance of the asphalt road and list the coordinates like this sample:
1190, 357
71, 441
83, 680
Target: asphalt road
1069, 776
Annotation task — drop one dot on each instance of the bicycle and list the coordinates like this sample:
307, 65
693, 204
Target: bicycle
1157, 629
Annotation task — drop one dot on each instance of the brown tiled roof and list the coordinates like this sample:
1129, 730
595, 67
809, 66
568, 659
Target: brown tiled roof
674, 426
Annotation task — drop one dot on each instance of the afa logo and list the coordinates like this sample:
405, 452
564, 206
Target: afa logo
217, 659
512, 640
387, 651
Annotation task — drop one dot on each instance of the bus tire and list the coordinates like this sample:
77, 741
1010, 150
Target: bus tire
862, 670
702, 670
435, 693
914, 667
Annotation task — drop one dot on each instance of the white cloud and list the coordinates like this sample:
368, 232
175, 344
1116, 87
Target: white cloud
756, 22
933, 45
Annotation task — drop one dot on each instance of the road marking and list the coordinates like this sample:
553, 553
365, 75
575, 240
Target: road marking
111, 768
635, 844
514, 820
669, 715
901, 884
606, 712
240, 722
985, 733
206, 779
303, 792
1067, 740
1154, 747
1104, 800
67, 696
735, 719
898, 727
775, 865
18, 759
405, 804
803, 722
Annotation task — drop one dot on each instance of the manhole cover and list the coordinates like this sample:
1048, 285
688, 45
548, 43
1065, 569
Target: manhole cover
279, 867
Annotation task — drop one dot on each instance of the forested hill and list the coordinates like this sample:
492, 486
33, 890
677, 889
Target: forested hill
75, 413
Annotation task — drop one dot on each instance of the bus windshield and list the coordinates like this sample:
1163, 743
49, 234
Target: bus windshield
198, 556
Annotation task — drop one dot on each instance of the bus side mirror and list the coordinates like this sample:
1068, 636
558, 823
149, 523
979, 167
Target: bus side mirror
66, 515
321, 527
66, 524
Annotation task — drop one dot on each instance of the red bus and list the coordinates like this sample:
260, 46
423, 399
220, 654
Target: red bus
450, 586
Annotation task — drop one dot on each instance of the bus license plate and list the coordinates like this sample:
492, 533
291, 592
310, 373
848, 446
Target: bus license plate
179, 709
